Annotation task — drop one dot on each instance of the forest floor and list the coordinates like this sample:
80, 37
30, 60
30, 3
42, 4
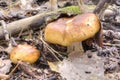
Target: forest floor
96, 63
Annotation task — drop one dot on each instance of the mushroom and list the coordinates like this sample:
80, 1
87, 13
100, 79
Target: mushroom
25, 53
72, 31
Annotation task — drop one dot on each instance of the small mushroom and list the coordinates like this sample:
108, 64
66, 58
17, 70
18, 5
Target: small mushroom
72, 31
25, 53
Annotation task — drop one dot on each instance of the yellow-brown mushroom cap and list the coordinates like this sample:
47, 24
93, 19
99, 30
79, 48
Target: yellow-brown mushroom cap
66, 31
25, 53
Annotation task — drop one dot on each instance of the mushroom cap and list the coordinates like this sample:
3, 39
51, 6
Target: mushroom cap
66, 31
25, 53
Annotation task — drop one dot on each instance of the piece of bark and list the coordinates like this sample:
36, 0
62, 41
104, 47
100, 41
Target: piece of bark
37, 20
101, 6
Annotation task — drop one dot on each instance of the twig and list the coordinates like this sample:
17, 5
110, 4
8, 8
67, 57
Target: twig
54, 4
6, 77
51, 49
13, 70
102, 5
1, 49
13, 42
4, 28
80, 3
83, 7
38, 20
109, 44
20, 33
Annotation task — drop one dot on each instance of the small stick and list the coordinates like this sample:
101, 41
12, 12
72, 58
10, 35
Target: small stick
13, 70
100, 8
83, 7
14, 44
4, 28
37, 21
53, 4
109, 44
51, 49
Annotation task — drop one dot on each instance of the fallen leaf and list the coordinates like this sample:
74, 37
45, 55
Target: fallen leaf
54, 66
5, 65
79, 67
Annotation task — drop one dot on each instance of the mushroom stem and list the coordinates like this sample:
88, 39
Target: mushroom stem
77, 46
